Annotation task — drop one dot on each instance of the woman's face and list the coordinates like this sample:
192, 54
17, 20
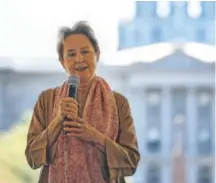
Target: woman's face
79, 57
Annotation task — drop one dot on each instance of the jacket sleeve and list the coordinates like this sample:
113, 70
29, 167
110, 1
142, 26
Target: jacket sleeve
40, 138
123, 155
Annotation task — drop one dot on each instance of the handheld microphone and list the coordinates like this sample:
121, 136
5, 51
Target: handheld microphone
73, 82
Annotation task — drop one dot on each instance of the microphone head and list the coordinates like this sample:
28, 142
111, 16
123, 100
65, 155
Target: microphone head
73, 80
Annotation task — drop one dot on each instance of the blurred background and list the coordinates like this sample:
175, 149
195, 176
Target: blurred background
159, 54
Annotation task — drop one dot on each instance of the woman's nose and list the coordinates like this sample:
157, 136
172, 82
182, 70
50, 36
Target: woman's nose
79, 57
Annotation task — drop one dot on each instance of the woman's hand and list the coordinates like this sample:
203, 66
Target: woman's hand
67, 107
81, 129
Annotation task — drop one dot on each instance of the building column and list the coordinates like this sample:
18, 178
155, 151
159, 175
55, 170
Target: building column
191, 135
1, 101
213, 121
136, 98
178, 136
166, 124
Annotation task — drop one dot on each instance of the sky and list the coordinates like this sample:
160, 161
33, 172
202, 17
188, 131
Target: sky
29, 27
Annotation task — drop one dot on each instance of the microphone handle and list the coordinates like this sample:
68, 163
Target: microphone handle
72, 93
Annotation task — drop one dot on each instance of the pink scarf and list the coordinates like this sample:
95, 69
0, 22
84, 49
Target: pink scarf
78, 161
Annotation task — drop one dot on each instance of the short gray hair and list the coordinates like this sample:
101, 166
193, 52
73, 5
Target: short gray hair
80, 27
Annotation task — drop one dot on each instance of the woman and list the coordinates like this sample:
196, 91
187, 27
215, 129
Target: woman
100, 144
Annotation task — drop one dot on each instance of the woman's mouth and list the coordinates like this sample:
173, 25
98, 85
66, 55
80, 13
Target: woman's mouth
80, 69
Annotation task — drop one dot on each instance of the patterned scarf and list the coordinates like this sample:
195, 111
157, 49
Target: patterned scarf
77, 161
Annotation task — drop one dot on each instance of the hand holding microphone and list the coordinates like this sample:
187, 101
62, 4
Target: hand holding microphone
68, 107
73, 125
67, 111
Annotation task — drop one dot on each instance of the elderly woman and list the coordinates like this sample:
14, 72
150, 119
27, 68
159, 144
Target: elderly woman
97, 142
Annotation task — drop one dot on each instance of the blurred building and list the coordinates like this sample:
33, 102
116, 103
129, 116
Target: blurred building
171, 91
172, 95
169, 21
21, 81
175, 119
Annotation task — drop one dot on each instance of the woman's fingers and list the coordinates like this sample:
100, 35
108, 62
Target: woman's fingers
70, 104
69, 107
80, 120
69, 100
70, 111
70, 130
72, 124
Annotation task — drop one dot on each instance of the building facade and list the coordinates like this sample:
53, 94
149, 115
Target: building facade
172, 100
169, 21
173, 103
176, 115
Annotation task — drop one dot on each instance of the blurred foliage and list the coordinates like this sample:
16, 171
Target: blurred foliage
13, 164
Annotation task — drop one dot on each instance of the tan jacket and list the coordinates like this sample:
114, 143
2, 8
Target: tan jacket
120, 158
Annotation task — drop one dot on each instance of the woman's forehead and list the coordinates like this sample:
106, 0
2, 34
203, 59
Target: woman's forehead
77, 41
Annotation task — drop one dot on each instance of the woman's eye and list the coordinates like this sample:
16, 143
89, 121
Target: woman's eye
84, 52
71, 54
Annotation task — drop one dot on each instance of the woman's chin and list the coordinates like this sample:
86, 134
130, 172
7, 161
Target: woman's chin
83, 76
79, 74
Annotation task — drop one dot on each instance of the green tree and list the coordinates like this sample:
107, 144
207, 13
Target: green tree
13, 164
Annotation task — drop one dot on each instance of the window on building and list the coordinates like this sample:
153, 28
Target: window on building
201, 35
204, 118
156, 35
122, 37
153, 174
204, 142
154, 8
153, 140
137, 38
204, 174
146, 9
153, 114
208, 9
139, 9
172, 8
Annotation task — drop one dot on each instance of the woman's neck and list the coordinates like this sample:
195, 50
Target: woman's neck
83, 90
84, 84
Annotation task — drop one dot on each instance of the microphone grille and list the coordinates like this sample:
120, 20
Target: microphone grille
73, 80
